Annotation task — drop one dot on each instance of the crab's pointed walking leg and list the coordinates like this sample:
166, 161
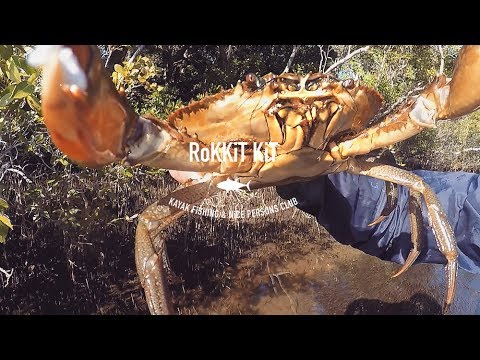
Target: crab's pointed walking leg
416, 224
438, 220
150, 242
390, 205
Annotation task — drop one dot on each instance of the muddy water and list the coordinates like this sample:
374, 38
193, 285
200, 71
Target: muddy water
282, 264
293, 266
334, 280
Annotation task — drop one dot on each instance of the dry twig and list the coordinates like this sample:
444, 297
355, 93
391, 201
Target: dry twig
346, 58
8, 274
442, 60
290, 59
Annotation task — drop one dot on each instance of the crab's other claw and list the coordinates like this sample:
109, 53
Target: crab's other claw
464, 94
86, 117
442, 99
457, 97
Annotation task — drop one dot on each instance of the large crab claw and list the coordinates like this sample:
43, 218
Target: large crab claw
87, 118
450, 99
464, 93
442, 99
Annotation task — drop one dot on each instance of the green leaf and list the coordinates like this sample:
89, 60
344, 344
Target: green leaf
5, 220
128, 172
3, 204
3, 66
21, 63
22, 90
13, 73
63, 161
5, 100
6, 51
3, 233
22, 48
34, 103
6, 95
118, 68
33, 77
7, 90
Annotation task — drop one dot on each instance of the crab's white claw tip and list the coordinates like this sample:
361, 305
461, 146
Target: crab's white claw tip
42, 54
72, 72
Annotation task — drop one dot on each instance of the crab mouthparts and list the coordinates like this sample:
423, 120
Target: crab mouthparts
313, 115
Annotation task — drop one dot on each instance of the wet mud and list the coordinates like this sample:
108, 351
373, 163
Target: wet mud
280, 264
338, 280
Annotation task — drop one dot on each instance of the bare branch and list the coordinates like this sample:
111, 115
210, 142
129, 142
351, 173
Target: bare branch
325, 59
292, 56
17, 172
321, 58
111, 49
346, 58
442, 59
8, 274
139, 49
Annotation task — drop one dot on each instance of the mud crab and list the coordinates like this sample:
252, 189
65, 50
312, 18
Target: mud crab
318, 123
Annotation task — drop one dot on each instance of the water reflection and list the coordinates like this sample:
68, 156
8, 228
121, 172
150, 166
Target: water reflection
337, 280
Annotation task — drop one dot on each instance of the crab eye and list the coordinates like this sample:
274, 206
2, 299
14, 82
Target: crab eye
251, 78
293, 87
349, 84
254, 81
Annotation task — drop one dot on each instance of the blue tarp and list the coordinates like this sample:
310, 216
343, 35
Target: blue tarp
345, 204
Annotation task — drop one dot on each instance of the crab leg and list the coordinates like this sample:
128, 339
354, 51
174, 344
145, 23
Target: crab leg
416, 223
442, 99
390, 205
150, 251
437, 218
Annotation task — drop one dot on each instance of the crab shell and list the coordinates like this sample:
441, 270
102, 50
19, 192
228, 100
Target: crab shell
302, 114
271, 111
